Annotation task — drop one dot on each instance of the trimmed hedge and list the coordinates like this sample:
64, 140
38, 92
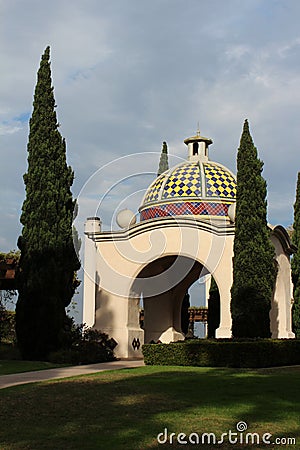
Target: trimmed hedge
224, 353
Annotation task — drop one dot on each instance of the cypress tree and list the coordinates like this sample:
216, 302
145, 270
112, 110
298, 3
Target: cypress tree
185, 315
254, 270
45, 278
213, 316
296, 262
163, 162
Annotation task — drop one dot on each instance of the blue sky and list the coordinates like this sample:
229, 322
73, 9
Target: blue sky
129, 74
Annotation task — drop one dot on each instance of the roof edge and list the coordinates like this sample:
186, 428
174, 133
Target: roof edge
280, 232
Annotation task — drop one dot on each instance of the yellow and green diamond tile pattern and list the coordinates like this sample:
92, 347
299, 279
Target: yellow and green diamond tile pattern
153, 191
219, 182
184, 181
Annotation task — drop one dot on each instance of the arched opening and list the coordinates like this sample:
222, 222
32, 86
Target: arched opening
195, 148
204, 307
163, 287
198, 310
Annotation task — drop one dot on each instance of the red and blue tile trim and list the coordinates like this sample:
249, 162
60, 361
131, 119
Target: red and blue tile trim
185, 208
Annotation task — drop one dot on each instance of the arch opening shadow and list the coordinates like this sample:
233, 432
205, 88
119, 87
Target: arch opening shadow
162, 284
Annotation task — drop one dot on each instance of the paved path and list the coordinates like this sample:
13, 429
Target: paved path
64, 372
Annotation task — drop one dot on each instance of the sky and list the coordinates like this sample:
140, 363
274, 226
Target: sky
130, 74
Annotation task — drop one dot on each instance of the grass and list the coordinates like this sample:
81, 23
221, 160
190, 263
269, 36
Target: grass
11, 366
127, 409
10, 362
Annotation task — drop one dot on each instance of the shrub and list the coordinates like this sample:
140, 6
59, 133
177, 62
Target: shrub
224, 353
9, 352
64, 356
7, 326
7, 317
95, 346
84, 346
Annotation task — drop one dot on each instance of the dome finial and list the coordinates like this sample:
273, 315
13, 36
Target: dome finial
198, 133
198, 147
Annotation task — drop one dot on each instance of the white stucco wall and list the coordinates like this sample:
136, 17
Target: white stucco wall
281, 311
120, 258
112, 286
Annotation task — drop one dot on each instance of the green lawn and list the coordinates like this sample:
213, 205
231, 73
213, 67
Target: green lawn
11, 366
127, 409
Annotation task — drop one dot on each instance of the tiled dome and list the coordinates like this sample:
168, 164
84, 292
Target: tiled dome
195, 187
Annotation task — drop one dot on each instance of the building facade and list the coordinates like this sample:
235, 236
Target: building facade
185, 231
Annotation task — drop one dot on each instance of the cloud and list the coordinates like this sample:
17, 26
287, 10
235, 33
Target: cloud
9, 129
128, 75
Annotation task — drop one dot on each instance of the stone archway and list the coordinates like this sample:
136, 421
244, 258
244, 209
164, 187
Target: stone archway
163, 284
122, 265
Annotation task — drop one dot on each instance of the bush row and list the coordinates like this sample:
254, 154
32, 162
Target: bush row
7, 326
84, 345
9, 351
224, 353
80, 345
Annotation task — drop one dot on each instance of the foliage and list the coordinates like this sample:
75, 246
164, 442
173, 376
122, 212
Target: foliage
290, 231
296, 262
254, 270
185, 316
83, 345
224, 353
7, 296
9, 351
213, 316
7, 326
13, 255
163, 162
7, 317
8, 261
48, 259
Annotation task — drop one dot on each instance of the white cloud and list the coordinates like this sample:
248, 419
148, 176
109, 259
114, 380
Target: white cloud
285, 49
236, 52
129, 75
9, 129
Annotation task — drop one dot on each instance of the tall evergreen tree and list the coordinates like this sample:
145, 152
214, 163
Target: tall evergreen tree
296, 262
213, 316
254, 270
48, 258
163, 162
185, 315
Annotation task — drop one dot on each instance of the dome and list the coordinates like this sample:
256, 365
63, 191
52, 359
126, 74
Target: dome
197, 187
